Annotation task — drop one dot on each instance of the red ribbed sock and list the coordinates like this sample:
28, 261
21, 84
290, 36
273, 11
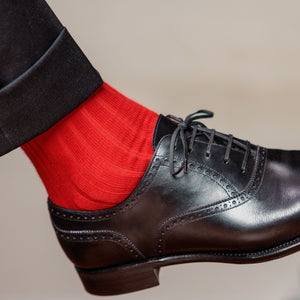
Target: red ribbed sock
95, 157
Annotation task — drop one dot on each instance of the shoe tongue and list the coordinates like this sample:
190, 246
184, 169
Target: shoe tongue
163, 127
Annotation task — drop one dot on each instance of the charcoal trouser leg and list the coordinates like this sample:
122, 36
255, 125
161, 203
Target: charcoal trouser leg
43, 73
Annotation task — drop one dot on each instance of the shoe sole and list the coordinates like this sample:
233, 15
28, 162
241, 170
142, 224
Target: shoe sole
141, 275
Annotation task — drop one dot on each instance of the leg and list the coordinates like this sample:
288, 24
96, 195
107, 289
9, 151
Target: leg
43, 73
44, 76
205, 196
27, 30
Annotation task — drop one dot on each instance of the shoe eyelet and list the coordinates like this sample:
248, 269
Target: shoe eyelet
208, 155
226, 162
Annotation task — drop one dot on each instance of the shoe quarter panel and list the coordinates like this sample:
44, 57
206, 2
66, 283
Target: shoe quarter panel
195, 227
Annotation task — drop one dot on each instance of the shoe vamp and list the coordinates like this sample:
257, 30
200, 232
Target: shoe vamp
213, 166
270, 216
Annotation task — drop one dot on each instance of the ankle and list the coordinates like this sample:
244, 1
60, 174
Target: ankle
95, 157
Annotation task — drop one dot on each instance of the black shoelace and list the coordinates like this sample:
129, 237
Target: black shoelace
199, 128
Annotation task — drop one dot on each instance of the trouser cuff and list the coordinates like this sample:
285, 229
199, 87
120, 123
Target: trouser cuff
54, 86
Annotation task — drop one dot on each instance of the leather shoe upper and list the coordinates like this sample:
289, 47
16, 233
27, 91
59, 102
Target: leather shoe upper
202, 191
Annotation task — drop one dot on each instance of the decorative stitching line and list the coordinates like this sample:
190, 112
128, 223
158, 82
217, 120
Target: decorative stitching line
120, 208
195, 255
211, 173
110, 212
99, 236
218, 207
261, 252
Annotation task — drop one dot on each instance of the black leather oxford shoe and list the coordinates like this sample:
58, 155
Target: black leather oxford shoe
205, 196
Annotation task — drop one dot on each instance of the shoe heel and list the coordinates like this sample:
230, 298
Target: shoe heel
119, 280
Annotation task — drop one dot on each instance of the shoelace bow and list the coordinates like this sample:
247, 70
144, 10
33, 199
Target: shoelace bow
200, 128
